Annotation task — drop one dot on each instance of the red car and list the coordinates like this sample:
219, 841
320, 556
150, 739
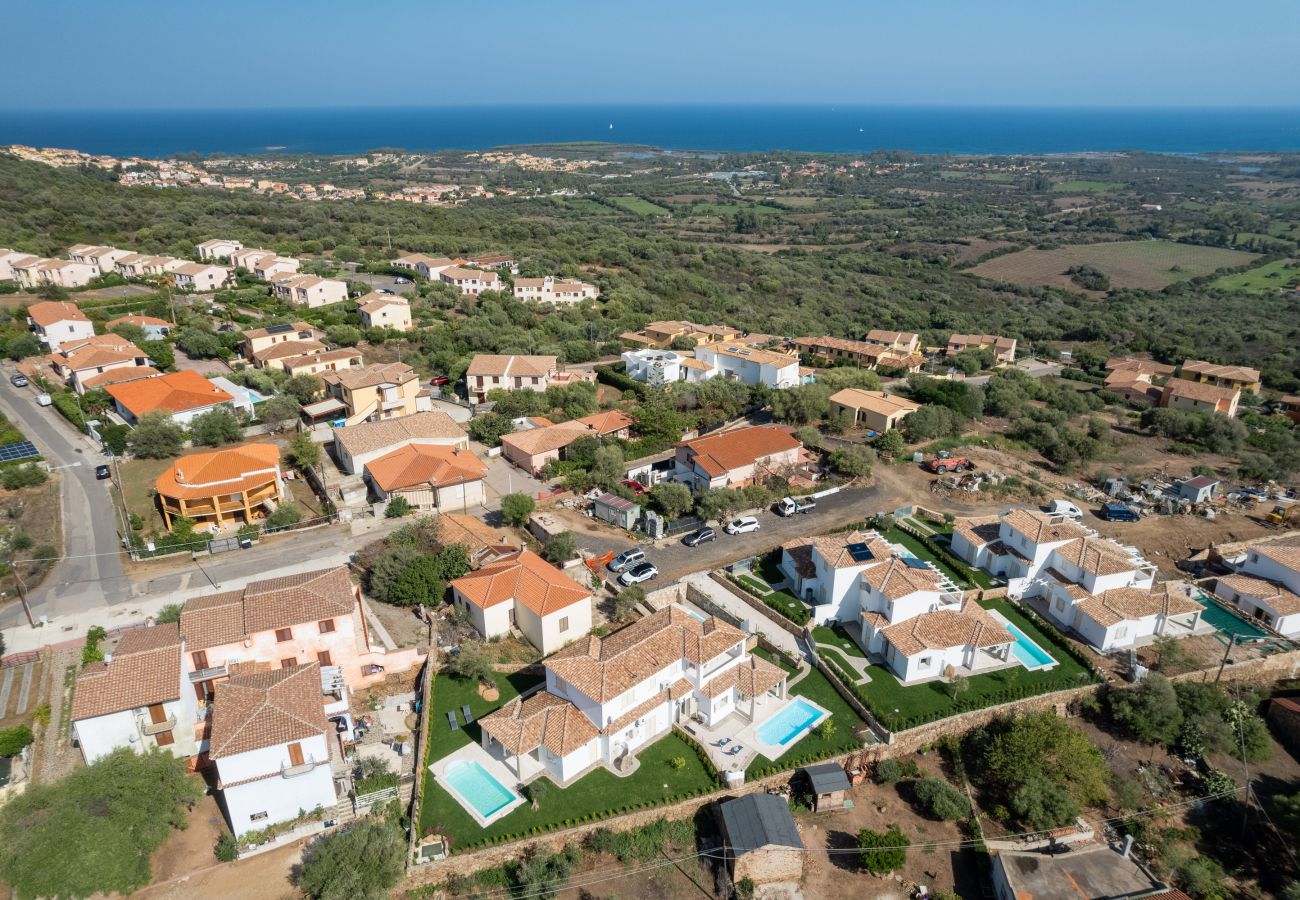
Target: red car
439, 380
636, 487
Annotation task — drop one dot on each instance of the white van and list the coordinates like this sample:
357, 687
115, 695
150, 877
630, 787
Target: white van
1065, 508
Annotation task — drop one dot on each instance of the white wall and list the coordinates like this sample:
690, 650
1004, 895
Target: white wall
544, 631
280, 798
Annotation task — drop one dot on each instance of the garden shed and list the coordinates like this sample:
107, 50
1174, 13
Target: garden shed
828, 785
762, 840
616, 511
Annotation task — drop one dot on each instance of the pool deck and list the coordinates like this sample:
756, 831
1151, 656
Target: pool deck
494, 767
739, 730
1003, 620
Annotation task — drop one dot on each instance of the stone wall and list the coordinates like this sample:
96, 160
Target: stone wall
768, 614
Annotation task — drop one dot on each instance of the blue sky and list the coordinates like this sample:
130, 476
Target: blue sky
280, 53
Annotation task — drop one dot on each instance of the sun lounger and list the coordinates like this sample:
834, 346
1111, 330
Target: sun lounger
722, 743
734, 750
469, 716
451, 720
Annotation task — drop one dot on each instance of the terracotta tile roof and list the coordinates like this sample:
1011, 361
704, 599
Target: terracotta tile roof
644, 707
51, 312
896, 579
371, 376
1202, 393
320, 359
834, 343
1284, 551
525, 366
286, 349
1281, 599
420, 465
977, 532
525, 578
1130, 364
371, 436
267, 605
539, 720
1074, 590
1042, 528
742, 350
1097, 555
603, 668
219, 472
753, 677
610, 421
97, 353
266, 709
720, 453
118, 376
1129, 603
874, 401
833, 549
139, 321
944, 628
173, 393
455, 273
373, 303
472, 533
983, 340
1213, 370
546, 439
300, 327
880, 336
145, 669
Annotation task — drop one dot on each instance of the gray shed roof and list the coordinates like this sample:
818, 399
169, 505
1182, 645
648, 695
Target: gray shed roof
826, 778
759, 820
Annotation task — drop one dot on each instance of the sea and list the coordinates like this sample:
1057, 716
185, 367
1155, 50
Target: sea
692, 127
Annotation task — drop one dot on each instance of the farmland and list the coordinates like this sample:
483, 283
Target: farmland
1284, 273
639, 206
1149, 265
1087, 187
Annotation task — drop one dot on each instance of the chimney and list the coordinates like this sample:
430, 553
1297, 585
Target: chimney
1128, 846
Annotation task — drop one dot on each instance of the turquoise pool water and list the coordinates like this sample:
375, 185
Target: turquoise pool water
1031, 656
1226, 622
790, 724
474, 785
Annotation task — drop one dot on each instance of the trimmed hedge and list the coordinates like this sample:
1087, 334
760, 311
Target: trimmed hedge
616, 378
772, 601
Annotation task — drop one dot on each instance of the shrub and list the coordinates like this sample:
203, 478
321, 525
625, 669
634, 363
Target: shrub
942, 800
883, 853
227, 848
13, 740
284, 515
890, 771
169, 614
91, 652
397, 508
363, 861
26, 475
516, 508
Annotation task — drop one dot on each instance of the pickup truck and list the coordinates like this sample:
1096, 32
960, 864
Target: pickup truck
788, 506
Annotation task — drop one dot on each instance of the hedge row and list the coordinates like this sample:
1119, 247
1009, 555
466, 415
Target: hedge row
614, 378
772, 601
806, 759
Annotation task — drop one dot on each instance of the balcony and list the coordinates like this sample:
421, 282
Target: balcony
288, 771
208, 674
152, 728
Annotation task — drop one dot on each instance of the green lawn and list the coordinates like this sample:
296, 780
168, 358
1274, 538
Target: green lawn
768, 566
639, 206
921, 703
761, 586
1274, 276
598, 794
965, 577
813, 746
774, 660
1087, 187
835, 636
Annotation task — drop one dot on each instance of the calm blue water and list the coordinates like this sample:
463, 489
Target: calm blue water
1031, 655
790, 723
476, 786
691, 127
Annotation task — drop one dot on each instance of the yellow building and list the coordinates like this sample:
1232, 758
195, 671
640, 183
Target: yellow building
223, 488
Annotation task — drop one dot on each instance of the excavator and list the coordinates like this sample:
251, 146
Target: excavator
1284, 515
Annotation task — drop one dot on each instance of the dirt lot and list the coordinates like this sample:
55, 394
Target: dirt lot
35, 512
204, 367
1135, 264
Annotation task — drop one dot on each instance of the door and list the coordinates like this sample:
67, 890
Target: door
157, 715
323, 657
295, 754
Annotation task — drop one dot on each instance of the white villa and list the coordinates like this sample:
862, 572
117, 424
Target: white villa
554, 290
728, 359
526, 592
660, 367
902, 610
1266, 584
1086, 583
607, 697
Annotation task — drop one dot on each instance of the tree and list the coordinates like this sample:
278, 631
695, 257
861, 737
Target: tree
941, 799
161, 352
608, 468
890, 443
883, 853
541, 874
215, 427
363, 861
199, 343
397, 508
801, 405
302, 451
472, 662
419, 583
718, 503
489, 428
23, 346
930, 422
95, 830
303, 387
156, 436
853, 461
958, 683
516, 509
1041, 804
627, 600
169, 614
562, 548
1149, 711
672, 498
279, 411
285, 514
343, 335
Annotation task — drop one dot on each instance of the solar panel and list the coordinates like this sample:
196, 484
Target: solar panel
279, 329
18, 450
913, 563
860, 552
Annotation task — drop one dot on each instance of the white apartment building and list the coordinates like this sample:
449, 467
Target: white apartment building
564, 291
198, 277
310, 290
217, 248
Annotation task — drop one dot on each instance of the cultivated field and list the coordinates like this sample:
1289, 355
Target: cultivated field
1075, 187
1130, 264
639, 206
1285, 273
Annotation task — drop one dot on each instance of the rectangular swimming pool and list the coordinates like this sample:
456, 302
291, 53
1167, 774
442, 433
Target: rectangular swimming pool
1226, 622
1031, 656
790, 723
474, 786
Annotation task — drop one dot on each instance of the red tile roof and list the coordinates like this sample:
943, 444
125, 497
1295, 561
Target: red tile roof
145, 669
173, 393
266, 709
720, 453
524, 578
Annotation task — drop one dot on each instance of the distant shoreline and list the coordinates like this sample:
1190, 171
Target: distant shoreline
694, 128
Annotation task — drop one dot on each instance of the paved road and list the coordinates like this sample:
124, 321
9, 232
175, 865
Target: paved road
92, 574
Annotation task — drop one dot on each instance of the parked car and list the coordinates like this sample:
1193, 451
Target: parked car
383, 291
19, 380
637, 574
102, 472
401, 281
1065, 508
1119, 512
44, 400
636, 487
789, 506
439, 380
626, 560
743, 525
701, 536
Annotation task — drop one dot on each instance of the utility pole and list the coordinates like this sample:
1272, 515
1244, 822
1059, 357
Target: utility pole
1232, 640
22, 592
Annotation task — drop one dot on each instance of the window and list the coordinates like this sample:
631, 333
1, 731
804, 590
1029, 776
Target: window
564, 624
200, 659
1121, 631
1060, 604
283, 634
925, 661
325, 626
295, 754
324, 658
258, 816
288, 663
